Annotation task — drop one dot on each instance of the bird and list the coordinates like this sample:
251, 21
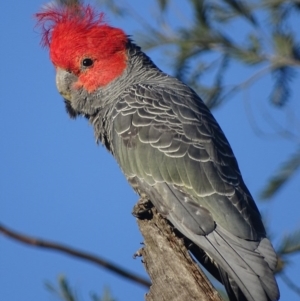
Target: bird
167, 143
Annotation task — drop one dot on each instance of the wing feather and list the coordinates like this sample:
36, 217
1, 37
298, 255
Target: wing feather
169, 145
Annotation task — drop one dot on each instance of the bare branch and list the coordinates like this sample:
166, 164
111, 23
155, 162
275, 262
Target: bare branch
73, 252
175, 275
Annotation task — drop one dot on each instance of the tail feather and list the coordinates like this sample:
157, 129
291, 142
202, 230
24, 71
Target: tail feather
244, 262
259, 258
233, 291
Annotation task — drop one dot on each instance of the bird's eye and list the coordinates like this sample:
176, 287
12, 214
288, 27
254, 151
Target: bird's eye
87, 62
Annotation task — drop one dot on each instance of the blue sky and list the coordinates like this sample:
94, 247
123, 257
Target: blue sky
57, 184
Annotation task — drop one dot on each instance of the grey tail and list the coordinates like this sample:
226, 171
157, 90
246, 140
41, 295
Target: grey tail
233, 291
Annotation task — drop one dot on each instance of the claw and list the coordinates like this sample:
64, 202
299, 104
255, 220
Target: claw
138, 253
142, 209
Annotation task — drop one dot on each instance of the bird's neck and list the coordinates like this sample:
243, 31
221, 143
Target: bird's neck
140, 70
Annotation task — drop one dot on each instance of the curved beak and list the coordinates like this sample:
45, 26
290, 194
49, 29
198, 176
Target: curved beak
63, 82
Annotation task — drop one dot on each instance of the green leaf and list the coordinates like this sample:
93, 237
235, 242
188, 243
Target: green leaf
249, 57
255, 44
201, 11
281, 90
163, 4
113, 7
105, 297
284, 44
69, 2
50, 287
242, 9
64, 291
282, 176
290, 243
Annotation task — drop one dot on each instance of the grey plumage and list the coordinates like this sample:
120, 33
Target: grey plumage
172, 150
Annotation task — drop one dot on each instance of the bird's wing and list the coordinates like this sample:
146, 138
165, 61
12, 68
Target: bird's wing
170, 137
171, 148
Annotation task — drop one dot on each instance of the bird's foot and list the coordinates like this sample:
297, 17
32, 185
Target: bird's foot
142, 209
138, 253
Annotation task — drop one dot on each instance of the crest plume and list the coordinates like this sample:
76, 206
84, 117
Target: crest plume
75, 16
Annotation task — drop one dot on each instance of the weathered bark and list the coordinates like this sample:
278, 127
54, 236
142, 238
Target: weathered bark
174, 274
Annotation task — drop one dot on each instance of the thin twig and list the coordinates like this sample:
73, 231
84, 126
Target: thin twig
290, 283
73, 252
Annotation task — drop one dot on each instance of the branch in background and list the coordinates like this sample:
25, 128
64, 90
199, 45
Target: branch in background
281, 176
73, 252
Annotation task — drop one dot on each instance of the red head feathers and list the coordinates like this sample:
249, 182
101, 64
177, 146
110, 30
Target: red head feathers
74, 34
